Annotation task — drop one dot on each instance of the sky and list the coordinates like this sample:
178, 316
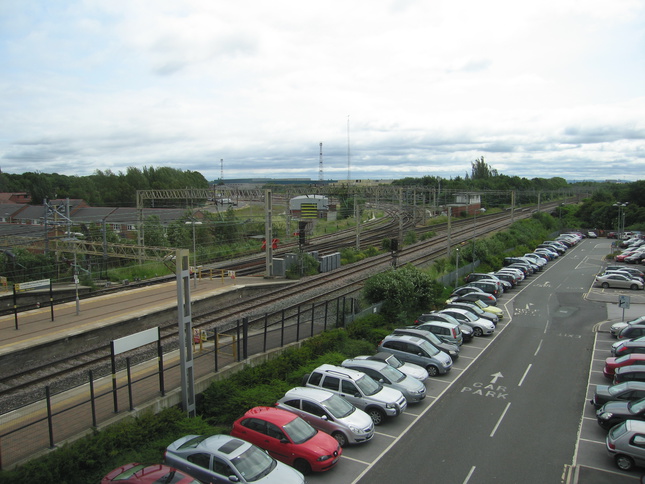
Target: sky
391, 88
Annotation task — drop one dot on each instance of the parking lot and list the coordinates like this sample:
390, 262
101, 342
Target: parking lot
590, 463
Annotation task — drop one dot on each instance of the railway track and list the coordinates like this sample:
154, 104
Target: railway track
309, 290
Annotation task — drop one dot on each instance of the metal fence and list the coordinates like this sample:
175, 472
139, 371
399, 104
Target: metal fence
65, 415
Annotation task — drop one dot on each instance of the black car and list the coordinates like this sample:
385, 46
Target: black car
629, 373
486, 286
612, 413
626, 392
632, 331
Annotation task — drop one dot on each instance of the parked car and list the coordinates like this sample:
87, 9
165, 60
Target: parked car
618, 281
629, 373
592, 235
635, 272
451, 349
330, 413
626, 444
488, 308
509, 278
417, 351
465, 290
612, 363
622, 256
617, 327
475, 309
613, 413
625, 347
415, 371
222, 458
135, 473
475, 296
632, 275
636, 257
627, 391
536, 258
481, 326
488, 287
360, 390
288, 438
632, 331
447, 330
412, 389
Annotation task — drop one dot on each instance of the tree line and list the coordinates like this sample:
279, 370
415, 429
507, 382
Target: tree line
102, 188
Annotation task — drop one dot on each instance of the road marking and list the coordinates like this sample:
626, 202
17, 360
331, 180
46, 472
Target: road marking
496, 376
538, 348
524, 376
470, 474
500, 419
346, 457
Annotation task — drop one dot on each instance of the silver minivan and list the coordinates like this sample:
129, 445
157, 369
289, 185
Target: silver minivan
330, 413
413, 390
417, 351
360, 390
626, 444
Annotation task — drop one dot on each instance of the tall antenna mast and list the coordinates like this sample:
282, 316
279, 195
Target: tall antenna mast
320, 165
348, 164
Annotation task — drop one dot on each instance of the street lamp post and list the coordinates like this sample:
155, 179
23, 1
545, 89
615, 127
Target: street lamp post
621, 219
193, 223
457, 271
480, 210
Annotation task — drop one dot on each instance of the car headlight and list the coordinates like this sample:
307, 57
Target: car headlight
355, 430
390, 405
605, 415
323, 458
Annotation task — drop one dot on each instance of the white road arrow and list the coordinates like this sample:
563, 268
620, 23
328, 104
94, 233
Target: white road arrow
496, 376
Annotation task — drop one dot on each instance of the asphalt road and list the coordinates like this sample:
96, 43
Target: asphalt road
515, 407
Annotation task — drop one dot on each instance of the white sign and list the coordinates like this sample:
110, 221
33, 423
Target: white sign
135, 340
24, 286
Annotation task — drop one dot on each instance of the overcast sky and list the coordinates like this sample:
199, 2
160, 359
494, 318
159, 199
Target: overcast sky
391, 88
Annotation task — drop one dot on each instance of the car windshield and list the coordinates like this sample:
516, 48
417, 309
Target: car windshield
616, 389
433, 338
253, 464
394, 362
368, 385
481, 303
392, 374
338, 407
622, 359
299, 430
636, 406
428, 348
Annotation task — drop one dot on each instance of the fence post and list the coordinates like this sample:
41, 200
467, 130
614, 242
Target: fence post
237, 339
298, 325
50, 423
266, 322
127, 364
325, 322
216, 349
313, 312
282, 331
92, 402
245, 335
162, 386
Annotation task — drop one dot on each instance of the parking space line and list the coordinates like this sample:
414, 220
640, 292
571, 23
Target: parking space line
346, 457
524, 375
593, 441
385, 435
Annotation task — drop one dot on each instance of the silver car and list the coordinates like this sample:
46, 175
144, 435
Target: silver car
412, 389
222, 458
481, 326
330, 413
410, 369
616, 328
618, 280
626, 444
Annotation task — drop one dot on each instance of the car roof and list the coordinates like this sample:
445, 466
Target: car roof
630, 369
317, 394
404, 337
218, 443
339, 370
374, 364
272, 414
439, 322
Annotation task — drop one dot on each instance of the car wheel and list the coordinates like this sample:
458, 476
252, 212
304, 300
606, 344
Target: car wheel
605, 285
302, 466
478, 332
377, 415
624, 462
340, 438
633, 287
432, 370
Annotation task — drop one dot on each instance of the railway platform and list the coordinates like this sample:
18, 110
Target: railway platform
34, 328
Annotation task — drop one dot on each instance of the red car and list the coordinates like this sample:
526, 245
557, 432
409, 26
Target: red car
621, 257
627, 360
288, 438
136, 473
